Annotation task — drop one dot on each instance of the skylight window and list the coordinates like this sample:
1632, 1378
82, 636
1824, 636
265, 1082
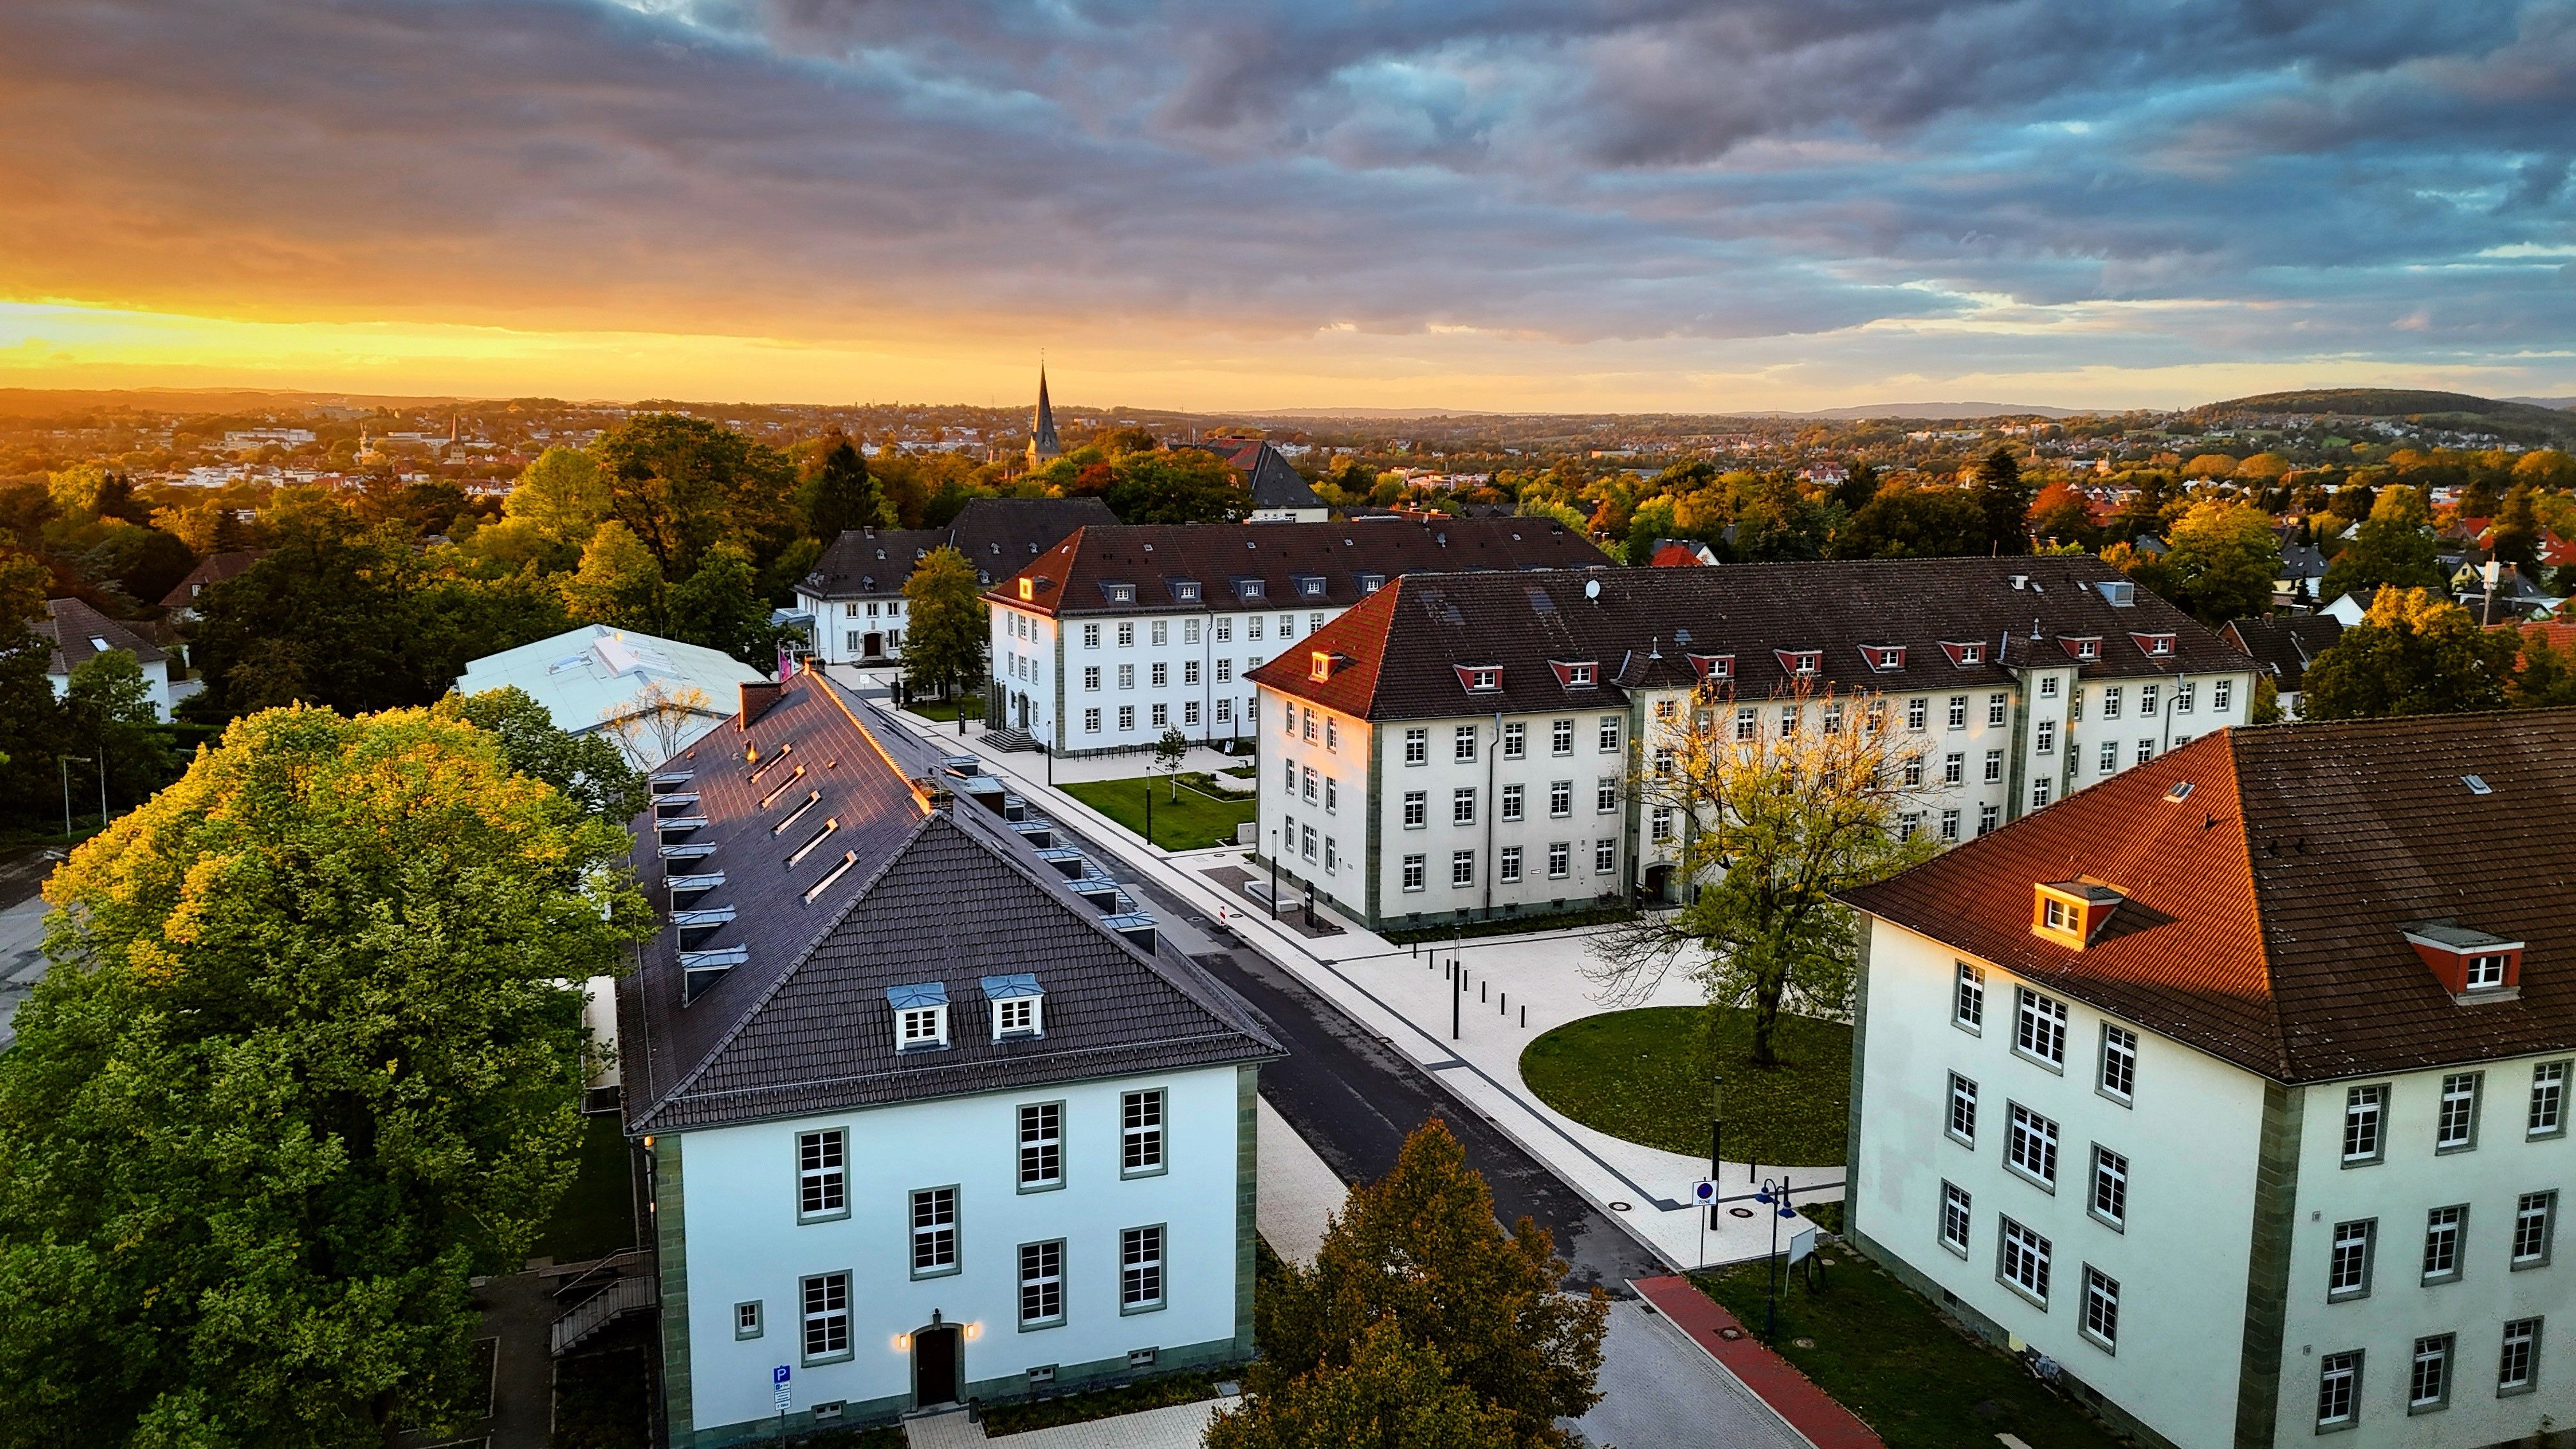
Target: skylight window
782, 787
2180, 792
812, 798
2477, 784
849, 858
797, 857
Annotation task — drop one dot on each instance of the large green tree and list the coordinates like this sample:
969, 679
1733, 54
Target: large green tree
683, 485
306, 1064
838, 494
1186, 485
2415, 652
2393, 548
1913, 523
945, 640
587, 769
1418, 1255
2224, 558
31, 724
1392, 1393
2516, 536
108, 715
2004, 497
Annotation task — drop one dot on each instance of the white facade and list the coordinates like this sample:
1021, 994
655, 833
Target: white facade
1096, 683
156, 682
2218, 1173
753, 1256
1388, 822
863, 632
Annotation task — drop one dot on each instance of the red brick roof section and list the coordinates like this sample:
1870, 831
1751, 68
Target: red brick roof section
2265, 912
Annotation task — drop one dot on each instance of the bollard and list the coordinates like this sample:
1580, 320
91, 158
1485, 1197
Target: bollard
1481, 998
1524, 1018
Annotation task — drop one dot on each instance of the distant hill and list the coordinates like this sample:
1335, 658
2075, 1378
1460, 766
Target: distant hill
45, 402
1934, 412
2561, 403
2518, 421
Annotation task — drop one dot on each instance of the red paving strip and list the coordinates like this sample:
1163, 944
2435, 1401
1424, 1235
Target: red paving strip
1809, 1410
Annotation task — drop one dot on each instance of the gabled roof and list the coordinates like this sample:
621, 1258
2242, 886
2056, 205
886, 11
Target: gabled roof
803, 1023
2284, 644
1646, 624
1271, 479
1351, 559
996, 535
2266, 911
77, 630
216, 569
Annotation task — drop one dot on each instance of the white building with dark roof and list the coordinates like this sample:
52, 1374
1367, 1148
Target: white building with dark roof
80, 634
923, 1124
653, 696
854, 595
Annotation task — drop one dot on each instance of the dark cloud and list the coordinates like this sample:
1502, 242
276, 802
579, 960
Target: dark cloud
2173, 181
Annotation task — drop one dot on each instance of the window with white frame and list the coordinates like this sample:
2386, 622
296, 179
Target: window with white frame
918, 1027
1994, 766
1560, 737
1417, 746
1609, 733
1091, 721
2516, 1356
1605, 856
2110, 1186
1413, 872
1090, 636
1140, 1131
2339, 1389
2039, 792
1126, 716
2146, 751
1963, 1110
934, 1231
1225, 671
1189, 712
1515, 740
2428, 1386
1042, 1283
1462, 743
1127, 636
1747, 724
1158, 674
1189, 627
1462, 868
2119, 1079
1189, 671
2363, 1111
1511, 802
2186, 694
1091, 677
2146, 700
1224, 710
2455, 1125
1989, 815
1968, 996
1332, 795
1140, 1268
1950, 825
2030, 1146
1507, 865
2548, 1116
1015, 1016
1605, 795
822, 1174
1954, 768
1660, 826
2047, 737
1914, 711
1417, 809
827, 1316
2022, 1261
2219, 692
2348, 1261
1955, 1218
2101, 1307
1041, 1145
1560, 799
2039, 1026
2443, 1228
1560, 858
2110, 757
1462, 805
2534, 1216
1997, 706
746, 1320
1958, 711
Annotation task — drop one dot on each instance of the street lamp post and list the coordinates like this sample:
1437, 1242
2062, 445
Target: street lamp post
1774, 1195
66, 761
1274, 875
1716, 1092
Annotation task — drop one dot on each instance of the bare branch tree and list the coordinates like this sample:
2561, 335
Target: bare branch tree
655, 723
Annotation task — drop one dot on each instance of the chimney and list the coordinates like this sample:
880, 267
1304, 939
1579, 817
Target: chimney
757, 698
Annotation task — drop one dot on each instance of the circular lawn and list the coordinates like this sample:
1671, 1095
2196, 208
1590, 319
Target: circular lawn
1643, 1076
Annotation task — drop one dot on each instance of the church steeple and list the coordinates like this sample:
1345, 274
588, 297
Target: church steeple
1042, 440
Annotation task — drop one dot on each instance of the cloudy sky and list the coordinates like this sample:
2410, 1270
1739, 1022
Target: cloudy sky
1508, 204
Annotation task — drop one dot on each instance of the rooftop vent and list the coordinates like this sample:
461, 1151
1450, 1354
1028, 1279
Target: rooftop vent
2477, 784
848, 858
2118, 593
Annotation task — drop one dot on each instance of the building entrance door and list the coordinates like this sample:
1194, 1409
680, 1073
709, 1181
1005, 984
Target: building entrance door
934, 1366
874, 646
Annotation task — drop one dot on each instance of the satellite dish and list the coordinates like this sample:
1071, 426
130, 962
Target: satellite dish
1592, 588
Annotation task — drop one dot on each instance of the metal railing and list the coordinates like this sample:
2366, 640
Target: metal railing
619, 1298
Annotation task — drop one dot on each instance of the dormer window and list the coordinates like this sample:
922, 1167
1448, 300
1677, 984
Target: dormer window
1480, 678
1185, 591
1964, 652
1247, 589
1800, 661
1018, 1006
2072, 912
1321, 663
920, 1016
2155, 646
1884, 656
1575, 674
1714, 666
1028, 588
1371, 583
2471, 965
1311, 585
1119, 593
2081, 646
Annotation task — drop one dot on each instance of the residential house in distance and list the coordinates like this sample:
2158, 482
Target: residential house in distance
2238, 1086
81, 633
921, 1127
1119, 633
2285, 645
1280, 494
1460, 747
181, 601
653, 696
855, 593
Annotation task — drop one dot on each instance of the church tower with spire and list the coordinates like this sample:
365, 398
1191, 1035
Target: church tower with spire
1042, 440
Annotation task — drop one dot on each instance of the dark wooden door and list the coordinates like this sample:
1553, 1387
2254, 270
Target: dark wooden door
934, 1367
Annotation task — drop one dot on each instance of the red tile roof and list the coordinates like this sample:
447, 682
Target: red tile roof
2264, 913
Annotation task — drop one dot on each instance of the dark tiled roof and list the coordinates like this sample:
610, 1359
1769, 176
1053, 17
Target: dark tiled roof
1406, 646
1072, 577
2284, 644
2265, 912
996, 535
1272, 481
802, 1025
216, 569
72, 626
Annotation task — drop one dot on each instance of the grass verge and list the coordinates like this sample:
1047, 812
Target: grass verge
1194, 822
946, 709
1157, 1393
1643, 1076
1512, 925
597, 1214
1891, 1358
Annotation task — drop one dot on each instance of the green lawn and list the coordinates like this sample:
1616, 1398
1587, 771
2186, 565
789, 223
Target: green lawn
1889, 1357
597, 1215
1196, 822
1643, 1075
946, 709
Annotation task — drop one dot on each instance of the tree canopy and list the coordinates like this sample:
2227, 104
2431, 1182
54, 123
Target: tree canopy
947, 630
2415, 652
2004, 497
305, 1064
2223, 560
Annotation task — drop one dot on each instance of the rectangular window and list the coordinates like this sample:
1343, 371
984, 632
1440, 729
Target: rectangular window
2031, 1146
2146, 701
1413, 872
1610, 733
1311, 781
2338, 1389
1661, 826
1417, 809
2185, 691
2455, 1127
1955, 1218
2119, 1079
1462, 743
1309, 851
1159, 675
1950, 825
1190, 627
1462, 805
2356, 1244
1126, 636
1090, 636
1515, 740
1041, 1145
746, 1320
1140, 1269
1994, 766
2039, 794
934, 1231
1512, 802
827, 1316
1162, 631
2110, 757
1140, 1131
1954, 768
1091, 676
1914, 712
1041, 1284
1560, 799
1091, 721
2022, 1261
1417, 747
1746, 725
1462, 868
1996, 705
2101, 1307
1189, 711
2146, 751
1605, 795
1225, 671
2110, 1186
822, 1181
1560, 737
2443, 1227
1507, 868
2039, 1029
2548, 1100
2219, 692
1126, 716
1161, 715
1189, 671
1252, 624
1224, 710
1788, 721
2518, 1356
1605, 856
2534, 1215
1332, 795
1958, 711
2428, 1386
1968, 1000
2362, 1111
1989, 815
2047, 737
1963, 1110
1224, 630
1560, 858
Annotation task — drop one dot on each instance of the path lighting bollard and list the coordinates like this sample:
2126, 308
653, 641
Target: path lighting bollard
1776, 1197
1716, 1092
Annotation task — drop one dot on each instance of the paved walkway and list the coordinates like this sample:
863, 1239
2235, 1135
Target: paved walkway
1815, 1415
1402, 995
22, 961
1181, 1426
1659, 1392
1298, 1193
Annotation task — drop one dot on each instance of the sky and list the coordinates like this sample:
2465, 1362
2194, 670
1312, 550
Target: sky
1508, 205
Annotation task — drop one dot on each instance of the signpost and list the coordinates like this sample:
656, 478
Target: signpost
779, 1390
1704, 1192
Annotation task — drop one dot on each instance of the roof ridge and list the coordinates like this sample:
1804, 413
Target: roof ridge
2244, 861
